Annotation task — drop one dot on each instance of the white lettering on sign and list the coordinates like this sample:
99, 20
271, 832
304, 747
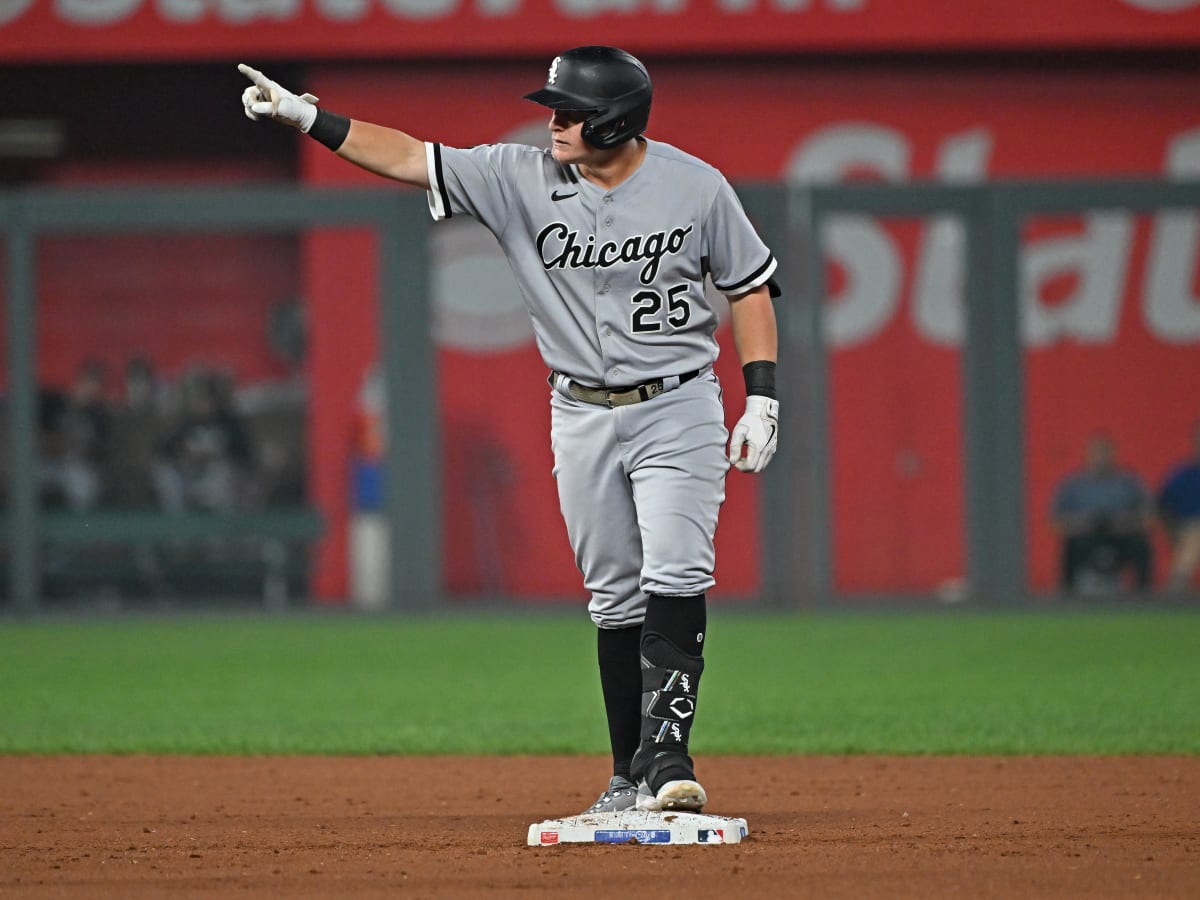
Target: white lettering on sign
344, 10
859, 245
13, 9
1164, 5
420, 9
1172, 309
235, 12
96, 12
183, 12
942, 258
1098, 258
238, 11
242, 12
586, 8
739, 6
1095, 260
497, 7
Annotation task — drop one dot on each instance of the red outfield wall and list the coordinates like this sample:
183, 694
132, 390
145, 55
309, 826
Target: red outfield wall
1112, 321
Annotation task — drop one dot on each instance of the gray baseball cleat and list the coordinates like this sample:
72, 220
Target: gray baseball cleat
620, 796
683, 794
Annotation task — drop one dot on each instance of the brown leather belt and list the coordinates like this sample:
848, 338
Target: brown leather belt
611, 397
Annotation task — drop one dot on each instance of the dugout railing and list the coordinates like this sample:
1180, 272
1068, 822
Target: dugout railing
797, 552
27, 215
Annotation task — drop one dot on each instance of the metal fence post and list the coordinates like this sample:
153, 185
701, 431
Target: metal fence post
412, 486
21, 352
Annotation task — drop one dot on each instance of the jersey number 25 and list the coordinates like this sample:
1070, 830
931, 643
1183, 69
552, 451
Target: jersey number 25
646, 318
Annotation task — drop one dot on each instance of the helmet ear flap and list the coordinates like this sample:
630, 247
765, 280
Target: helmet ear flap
603, 133
615, 126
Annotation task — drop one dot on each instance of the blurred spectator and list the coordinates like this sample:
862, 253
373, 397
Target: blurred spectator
144, 390
74, 428
206, 462
1179, 507
287, 331
1103, 514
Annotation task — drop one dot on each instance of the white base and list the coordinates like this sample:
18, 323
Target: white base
632, 827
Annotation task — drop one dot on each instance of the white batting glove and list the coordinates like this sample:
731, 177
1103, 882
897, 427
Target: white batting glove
266, 99
756, 435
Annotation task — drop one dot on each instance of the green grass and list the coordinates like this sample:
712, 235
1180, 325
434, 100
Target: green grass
954, 682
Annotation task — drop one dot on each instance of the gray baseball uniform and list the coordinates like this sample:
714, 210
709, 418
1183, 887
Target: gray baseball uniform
614, 284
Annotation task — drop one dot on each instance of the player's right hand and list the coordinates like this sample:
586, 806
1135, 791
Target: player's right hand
267, 99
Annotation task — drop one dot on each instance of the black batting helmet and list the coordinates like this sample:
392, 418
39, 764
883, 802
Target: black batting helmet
609, 84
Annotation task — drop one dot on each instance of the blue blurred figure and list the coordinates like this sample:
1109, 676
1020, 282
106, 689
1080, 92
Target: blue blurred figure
1179, 507
1103, 514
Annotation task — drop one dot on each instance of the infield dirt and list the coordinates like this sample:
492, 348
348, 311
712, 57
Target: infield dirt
364, 827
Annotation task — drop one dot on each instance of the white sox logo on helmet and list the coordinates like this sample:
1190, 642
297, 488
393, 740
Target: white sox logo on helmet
554, 70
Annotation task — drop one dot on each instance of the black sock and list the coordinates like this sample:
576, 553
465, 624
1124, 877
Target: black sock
618, 651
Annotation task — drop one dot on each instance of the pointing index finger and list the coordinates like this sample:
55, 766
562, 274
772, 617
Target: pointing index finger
259, 79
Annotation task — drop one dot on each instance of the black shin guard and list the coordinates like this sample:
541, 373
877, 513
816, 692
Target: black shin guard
680, 620
670, 682
619, 653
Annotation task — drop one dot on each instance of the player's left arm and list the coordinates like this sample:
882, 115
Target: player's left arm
752, 317
755, 337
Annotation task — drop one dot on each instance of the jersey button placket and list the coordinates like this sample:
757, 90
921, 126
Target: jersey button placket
603, 285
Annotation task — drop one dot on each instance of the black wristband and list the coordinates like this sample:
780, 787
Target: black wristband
760, 378
329, 129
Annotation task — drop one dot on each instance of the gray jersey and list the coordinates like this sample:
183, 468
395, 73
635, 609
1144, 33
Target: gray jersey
613, 279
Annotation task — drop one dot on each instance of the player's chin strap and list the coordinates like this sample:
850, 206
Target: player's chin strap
670, 682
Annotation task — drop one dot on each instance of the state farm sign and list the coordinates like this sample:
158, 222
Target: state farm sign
312, 29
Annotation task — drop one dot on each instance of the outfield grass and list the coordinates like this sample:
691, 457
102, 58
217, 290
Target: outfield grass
954, 682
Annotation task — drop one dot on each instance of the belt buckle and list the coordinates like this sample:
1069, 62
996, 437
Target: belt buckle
621, 398
585, 394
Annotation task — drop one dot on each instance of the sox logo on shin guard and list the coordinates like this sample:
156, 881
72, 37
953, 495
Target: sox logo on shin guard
669, 731
673, 705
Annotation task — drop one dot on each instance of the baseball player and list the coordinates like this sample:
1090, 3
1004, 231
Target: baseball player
610, 236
